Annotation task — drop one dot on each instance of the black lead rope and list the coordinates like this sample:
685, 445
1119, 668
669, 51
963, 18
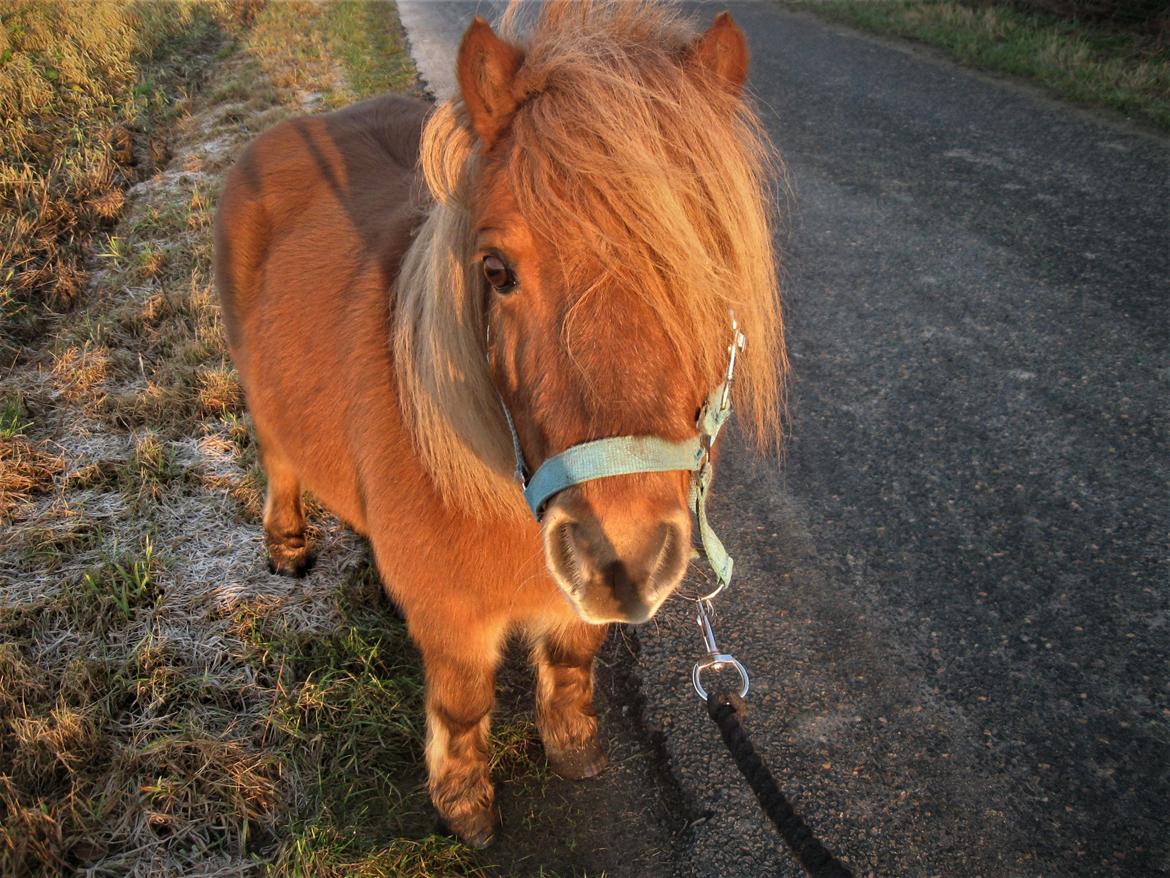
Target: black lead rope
725, 709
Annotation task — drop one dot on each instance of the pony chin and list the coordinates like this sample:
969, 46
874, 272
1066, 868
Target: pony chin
606, 615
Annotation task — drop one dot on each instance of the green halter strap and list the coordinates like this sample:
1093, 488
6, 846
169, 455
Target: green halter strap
624, 455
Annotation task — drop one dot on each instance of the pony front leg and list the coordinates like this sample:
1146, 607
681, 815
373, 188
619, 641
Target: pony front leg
284, 518
460, 691
564, 699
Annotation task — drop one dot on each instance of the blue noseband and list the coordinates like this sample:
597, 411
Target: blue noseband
625, 455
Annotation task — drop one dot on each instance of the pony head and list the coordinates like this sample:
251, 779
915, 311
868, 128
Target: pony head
601, 205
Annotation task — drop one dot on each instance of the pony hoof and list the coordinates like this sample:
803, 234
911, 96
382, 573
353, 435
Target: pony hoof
477, 830
290, 562
578, 763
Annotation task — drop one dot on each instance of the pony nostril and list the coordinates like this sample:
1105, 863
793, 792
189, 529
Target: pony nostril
670, 562
563, 557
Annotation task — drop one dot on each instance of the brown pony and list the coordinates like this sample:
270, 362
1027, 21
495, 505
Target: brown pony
567, 237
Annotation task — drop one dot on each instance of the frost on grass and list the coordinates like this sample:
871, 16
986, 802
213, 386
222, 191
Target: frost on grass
138, 704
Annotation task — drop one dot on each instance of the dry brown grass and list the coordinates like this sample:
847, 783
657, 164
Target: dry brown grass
81, 369
166, 706
219, 391
85, 91
26, 468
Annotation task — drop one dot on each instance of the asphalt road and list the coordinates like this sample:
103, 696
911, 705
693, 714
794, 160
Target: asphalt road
954, 593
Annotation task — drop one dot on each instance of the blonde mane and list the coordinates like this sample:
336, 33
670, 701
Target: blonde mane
660, 169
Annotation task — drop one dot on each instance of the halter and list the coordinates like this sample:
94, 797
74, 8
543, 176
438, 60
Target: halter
624, 455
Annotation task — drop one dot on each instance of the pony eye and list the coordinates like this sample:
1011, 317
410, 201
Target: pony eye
497, 273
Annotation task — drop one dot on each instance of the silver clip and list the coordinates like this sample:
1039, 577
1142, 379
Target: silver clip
714, 660
738, 340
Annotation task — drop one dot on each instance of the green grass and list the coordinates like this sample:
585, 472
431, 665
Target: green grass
319, 850
349, 720
125, 582
13, 420
149, 470
1081, 62
365, 36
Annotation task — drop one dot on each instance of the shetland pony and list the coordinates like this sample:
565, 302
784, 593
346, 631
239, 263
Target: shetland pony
566, 238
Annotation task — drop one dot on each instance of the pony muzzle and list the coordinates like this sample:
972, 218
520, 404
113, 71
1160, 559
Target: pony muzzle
616, 563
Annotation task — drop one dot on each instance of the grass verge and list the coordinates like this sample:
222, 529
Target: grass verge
86, 89
1089, 64
167, 706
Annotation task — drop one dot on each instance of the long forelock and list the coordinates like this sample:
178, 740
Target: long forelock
661, 178
655, 171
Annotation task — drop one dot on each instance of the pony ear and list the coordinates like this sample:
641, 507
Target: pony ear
486, 68
722, 51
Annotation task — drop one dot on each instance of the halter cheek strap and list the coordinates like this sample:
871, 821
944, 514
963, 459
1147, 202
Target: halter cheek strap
625, 455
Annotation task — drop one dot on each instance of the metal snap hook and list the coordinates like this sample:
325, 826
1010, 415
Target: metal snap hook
714, 660
718, 662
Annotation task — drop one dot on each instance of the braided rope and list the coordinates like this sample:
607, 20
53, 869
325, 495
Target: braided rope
724, 708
